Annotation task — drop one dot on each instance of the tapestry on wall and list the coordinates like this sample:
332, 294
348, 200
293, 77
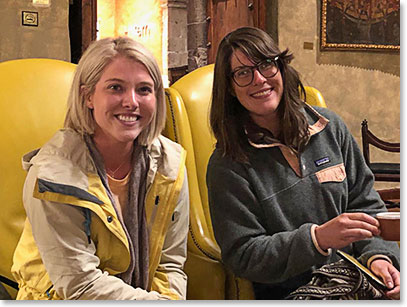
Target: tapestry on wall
360, 25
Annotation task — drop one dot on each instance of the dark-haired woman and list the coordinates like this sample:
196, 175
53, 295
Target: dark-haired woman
287, 183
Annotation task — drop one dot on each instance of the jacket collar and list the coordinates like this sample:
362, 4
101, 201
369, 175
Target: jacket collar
260, 137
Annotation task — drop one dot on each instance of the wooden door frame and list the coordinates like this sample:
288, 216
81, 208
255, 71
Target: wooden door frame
261, 16
259, 21
89, 18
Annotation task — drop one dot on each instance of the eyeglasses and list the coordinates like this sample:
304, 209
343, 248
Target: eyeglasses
243, 76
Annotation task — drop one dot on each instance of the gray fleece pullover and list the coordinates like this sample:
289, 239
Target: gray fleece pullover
262, 212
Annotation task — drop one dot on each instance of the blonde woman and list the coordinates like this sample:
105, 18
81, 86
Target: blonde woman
106, 198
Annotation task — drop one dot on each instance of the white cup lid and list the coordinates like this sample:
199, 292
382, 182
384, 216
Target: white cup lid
389, 215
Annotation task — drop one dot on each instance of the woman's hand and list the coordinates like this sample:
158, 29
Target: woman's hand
346, 229
390, 276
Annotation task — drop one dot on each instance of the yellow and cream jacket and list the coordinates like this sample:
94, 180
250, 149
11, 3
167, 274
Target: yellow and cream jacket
54, 258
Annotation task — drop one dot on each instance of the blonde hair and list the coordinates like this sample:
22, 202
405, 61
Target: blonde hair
89, 71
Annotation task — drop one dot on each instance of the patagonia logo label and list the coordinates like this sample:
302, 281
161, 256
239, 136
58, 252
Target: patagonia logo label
322, 161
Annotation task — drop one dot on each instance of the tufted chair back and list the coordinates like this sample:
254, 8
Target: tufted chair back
33, 99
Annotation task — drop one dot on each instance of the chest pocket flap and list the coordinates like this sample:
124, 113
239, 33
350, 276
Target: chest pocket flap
334, 173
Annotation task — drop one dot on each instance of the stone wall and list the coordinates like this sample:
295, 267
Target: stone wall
197, 34
50, 39
177, 33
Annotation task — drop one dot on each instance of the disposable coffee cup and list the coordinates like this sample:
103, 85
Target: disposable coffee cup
389, 225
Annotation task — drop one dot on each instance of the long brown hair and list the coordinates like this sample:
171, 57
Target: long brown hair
227, 114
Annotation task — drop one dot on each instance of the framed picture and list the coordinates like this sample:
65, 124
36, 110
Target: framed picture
29, 18
360, 25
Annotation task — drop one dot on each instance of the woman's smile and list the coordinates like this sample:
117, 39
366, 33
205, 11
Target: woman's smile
262, 93
128, 119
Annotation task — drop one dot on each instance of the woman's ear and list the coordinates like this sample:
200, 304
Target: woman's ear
87, 96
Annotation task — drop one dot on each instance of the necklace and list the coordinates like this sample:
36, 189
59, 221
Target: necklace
113, 172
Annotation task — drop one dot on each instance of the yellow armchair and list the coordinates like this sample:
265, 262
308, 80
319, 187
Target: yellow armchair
314, 97
188, 102
33, 99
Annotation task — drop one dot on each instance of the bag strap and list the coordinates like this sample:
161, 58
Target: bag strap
335, 281
8, 282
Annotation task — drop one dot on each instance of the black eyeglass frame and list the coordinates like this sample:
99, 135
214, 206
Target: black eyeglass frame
274, 60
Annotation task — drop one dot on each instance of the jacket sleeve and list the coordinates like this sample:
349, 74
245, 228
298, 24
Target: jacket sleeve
362, 197
70, 261
170, 279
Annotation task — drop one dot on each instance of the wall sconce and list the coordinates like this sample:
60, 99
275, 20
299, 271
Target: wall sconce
43, 3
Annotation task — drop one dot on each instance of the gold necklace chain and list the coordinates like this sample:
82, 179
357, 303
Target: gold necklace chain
111, 172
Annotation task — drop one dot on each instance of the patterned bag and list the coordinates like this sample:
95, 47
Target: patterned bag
338, 281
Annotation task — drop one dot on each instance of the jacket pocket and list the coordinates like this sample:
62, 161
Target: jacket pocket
334, 173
